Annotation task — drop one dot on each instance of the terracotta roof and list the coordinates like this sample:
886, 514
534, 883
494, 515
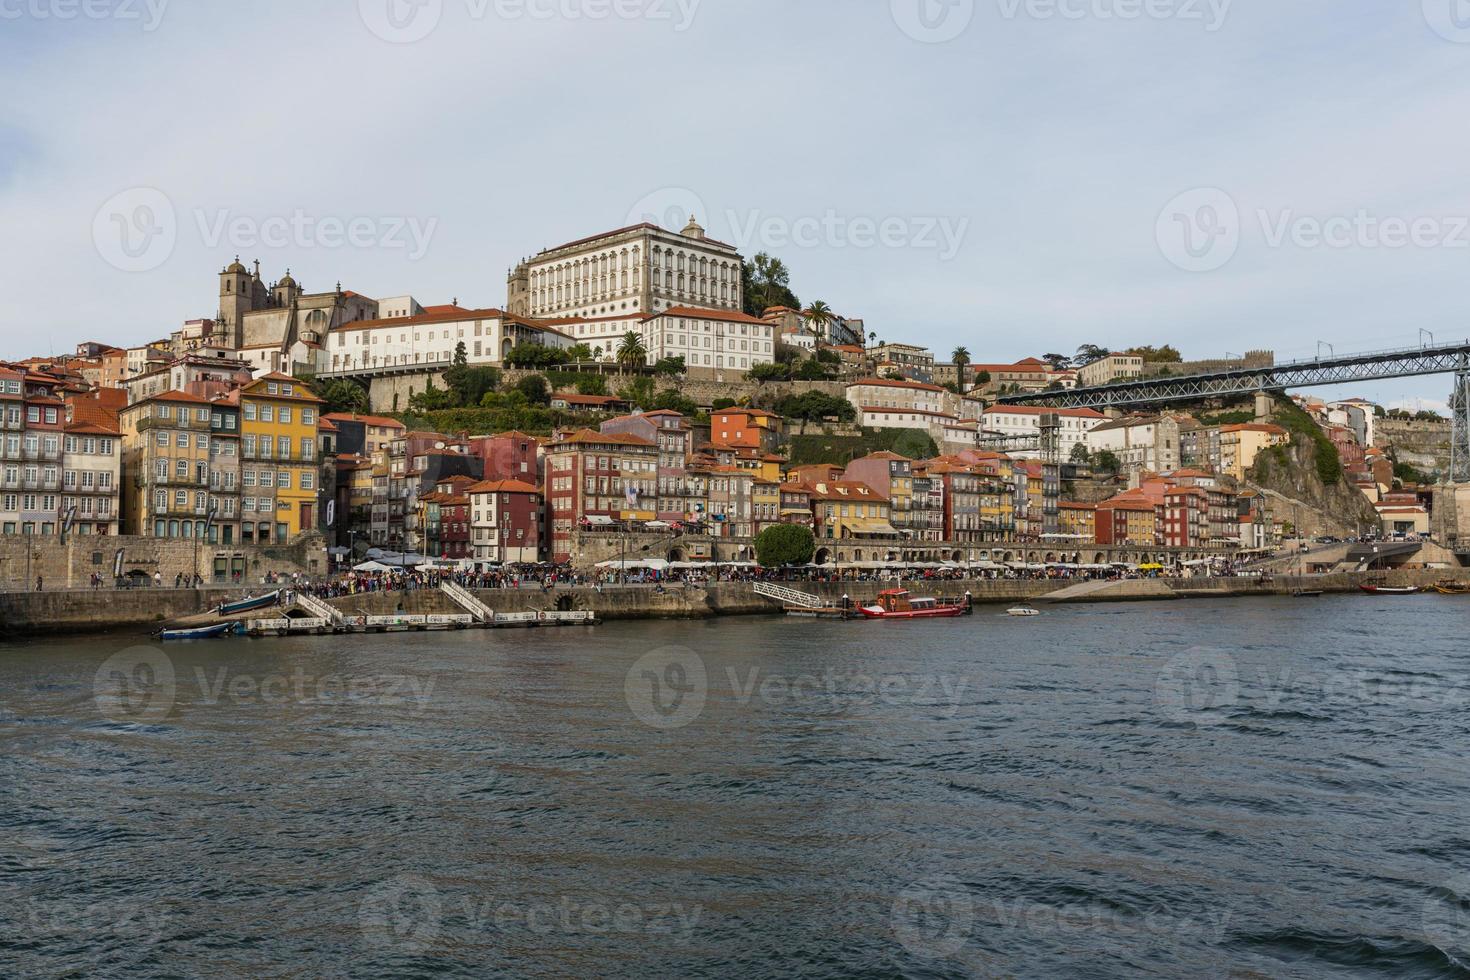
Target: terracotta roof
693, 313
502, 486
1077, 413
587, 436
378, 420
174, 396
91, 428
888, 383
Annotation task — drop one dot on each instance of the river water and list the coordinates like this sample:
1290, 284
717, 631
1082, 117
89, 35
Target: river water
1253, 788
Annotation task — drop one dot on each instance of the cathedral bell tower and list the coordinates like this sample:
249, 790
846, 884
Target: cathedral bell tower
235, 300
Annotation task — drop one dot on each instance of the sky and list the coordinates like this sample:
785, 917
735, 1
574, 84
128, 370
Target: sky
1016, 176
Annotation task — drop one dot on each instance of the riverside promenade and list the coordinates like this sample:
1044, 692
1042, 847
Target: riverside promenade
141, 611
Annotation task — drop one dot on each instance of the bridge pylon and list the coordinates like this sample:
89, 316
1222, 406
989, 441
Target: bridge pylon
1460, 428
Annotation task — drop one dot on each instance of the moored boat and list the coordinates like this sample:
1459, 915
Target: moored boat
1307, 594
1023, 610
202, 632
1450, 586
900, 604
1390, 589
250, 604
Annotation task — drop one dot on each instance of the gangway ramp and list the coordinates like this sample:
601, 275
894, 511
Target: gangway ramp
465, 600
790, 597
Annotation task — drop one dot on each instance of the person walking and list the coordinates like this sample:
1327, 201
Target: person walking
38, 583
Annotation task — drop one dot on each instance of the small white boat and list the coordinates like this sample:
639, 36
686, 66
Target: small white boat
1023, 611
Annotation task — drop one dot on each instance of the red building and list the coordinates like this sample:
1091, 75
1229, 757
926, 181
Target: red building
509, 456
505, 522
1186, 517
598, 480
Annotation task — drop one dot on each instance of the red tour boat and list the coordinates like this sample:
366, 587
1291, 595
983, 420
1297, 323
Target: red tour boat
1390, 589
898, 604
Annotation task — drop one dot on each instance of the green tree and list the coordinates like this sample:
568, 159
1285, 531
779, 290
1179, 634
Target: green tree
340, 395
768, 372
670, 366
536, 356
785, 544
816, 405
1107, 461
811, 370
468, 385
722, 403
639, 393
631, 351
819, 315
1158, 355
461, 355
961, 358
535, 389
578, 353
431, 399
673, 400
767, 283
983, 378
592, 384
1088, 353
1080, 455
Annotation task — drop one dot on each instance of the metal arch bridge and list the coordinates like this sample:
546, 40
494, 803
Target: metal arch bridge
1373, 366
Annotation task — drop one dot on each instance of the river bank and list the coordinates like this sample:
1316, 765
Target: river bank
143, 610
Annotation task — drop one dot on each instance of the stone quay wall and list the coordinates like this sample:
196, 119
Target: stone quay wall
70, 565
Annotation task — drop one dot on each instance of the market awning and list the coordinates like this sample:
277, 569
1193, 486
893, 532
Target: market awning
873, 529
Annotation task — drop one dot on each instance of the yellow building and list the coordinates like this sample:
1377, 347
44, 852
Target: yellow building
280, 471
165, 491
1078, 521
1241, 444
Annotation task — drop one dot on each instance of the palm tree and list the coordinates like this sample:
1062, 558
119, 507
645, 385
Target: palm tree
961, 358
819, 315
631, 351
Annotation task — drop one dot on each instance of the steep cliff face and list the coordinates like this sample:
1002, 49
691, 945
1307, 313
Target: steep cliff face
1423, 445
1290, 474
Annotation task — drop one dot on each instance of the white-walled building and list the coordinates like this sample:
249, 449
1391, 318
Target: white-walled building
1149, 442
712, 342
1025, 420
431, 339
1114, 367
640, 270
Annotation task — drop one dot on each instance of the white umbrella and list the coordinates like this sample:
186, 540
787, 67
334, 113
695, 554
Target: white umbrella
372, 566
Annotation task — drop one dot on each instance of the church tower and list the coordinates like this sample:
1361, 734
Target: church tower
235, 300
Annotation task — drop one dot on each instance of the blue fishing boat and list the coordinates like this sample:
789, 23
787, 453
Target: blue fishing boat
202, 633
248, 605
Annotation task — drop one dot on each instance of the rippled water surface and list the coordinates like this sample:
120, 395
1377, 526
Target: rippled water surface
1251, 788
